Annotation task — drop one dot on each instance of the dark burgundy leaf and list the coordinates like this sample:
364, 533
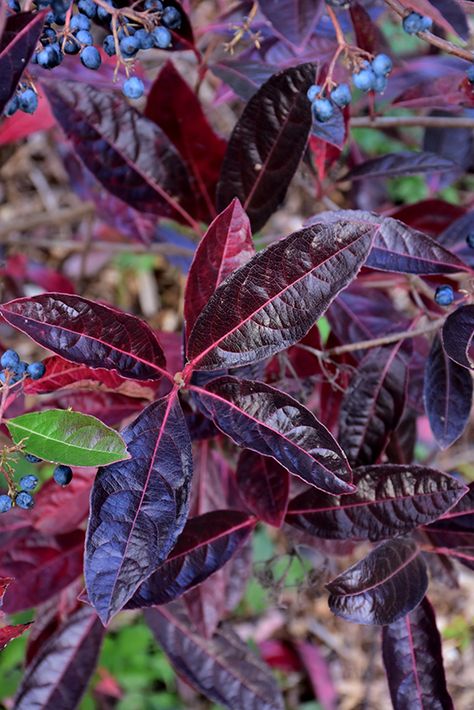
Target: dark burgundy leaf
244, 78
270, 422
8, 633
207, 542
413, 660
264, 485
457, 335
318, 670
373, 404
455, 234
52, 500
17, 44
401, 164
333, 131
59, 674
111, 408
456, 144
223, 668
125, 151
274, 300
390, 500
447, 395
294, 19
266, 145
453, 13
369, 37
383, 587
182, 119
138, 506
437, 92
401, 447
89, 333
431, 216
465, 505
226, 246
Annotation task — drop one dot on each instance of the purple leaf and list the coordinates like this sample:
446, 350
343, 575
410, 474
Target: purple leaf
457, 335
413, 660
294, 19
264, 485
17, 44
138, 507
244, 78
263, 419
332, 131
453, 13
383, 587
59, 674
274, 300
447, 395
373, 404
401, 164
88, 333
223, 668
266, 145
390, 500
368, 35
207, 542
126, 152
226, 246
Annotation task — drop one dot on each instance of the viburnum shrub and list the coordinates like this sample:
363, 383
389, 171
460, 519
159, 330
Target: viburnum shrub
318, 373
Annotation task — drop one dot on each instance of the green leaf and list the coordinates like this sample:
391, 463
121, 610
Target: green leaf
62, 436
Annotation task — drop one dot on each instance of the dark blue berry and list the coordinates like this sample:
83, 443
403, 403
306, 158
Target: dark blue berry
14, 5
79, 22
48, 36
24, 500
323, 110
62, 475
102, 14
129, 46
12, 106
28, 483
155, 5
133, 88
90, 57
382, 65
32, 458
109, 45
71, 46
313, 91
413, 23
444, 295
127, 30
21, 370
88, 7
28, 101
171, 18
426, 24
10, 359
36, 370
144, 39
50, 57
5, 503
364, 80
85, 37
161, 37
380, 84
341, 95
60, 18
470, 73
470, 240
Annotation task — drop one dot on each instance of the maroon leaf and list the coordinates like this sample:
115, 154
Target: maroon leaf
263, 419
319, 674
264, 486
390, 500
52, 500
182, 119
369, 37
226, 246
89, 333
17, 44
447, 395
59, 674
8, 633
266, 145
138, 509
401, 164
207, 542
294, 19
128, 153
383, 587
437, 92
457, 335
272, 302
413, 660
244, 78
111, 408
373, 404
223, 668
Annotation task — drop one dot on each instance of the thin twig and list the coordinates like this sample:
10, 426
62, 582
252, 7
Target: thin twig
401, 121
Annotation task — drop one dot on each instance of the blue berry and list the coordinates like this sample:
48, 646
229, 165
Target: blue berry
79, 22
470, 240
144, 39
90, 57
470, 73
60, 18
5, 503
102, 14
171, 18
380, 84
24, 500
444, 295
71, 46
129, 46
28, 483
323, 110
21, 369
12, 106
313, 91
50, 57
426, 24
28, 101
14, 5
36, 370
127, 30
382, 65
155, 5
161, 37
48, 36
341, 95
109, 45
364, 80
10, 359
413, 23
31, 458
62, 475
88, 7
85, 37
133, 88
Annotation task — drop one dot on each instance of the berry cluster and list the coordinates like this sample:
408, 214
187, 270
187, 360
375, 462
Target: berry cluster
414, 23
22, 497
15, 369
128, 30
371, 77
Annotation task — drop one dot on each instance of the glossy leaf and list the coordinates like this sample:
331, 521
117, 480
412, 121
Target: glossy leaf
207, 542
138, 507
368, 35
272, 302
59, 674
67, 437
111, 408
401, 164
266, 145
223, 668
10, 632
244, 78
272, 423
264, 485
127, 153
390, 500
413, 660
447, 395
86, 332
383, 587
458, 334
226, 246
294, 19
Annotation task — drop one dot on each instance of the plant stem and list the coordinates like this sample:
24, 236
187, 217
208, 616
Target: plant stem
401, 121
